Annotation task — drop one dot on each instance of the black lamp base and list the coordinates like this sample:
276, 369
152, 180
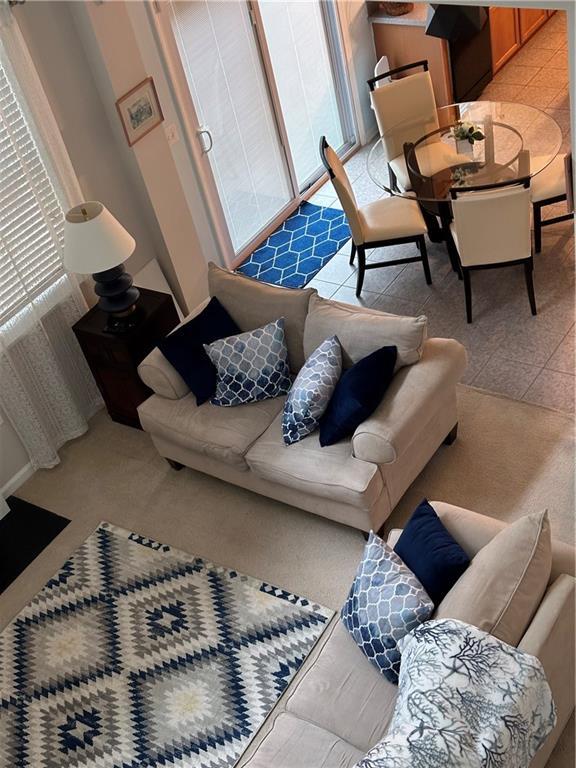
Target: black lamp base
118, 298
122, 323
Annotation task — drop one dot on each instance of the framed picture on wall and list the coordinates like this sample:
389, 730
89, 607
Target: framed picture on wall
140, 111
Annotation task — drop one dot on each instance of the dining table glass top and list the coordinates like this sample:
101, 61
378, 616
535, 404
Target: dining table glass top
509, 141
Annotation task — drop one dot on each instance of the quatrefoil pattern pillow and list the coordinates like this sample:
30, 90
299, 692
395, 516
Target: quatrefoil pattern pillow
250, 366
311, 391
385, 603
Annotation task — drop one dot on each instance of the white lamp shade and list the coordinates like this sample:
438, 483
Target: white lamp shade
94, 240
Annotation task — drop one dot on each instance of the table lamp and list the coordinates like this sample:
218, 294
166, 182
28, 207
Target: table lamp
96, 243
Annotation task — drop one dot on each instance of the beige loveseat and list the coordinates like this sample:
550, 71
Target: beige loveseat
357, 481
339, 705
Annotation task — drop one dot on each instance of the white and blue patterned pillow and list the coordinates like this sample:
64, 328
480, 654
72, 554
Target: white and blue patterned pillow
250, 366
385, 603
311, 391
465, 699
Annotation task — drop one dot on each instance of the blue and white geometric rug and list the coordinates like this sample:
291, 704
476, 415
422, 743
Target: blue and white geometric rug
136, 654
300, 247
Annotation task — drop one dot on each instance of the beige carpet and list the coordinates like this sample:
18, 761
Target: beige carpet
511, 458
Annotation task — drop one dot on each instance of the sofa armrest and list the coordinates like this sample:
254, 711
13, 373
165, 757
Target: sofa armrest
158, 374
409, 402
550, 637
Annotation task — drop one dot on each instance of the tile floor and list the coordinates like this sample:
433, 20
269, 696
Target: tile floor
510, 352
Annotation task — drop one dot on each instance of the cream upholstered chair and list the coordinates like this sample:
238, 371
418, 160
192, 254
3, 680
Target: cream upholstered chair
388, 221
381, 71
548, 187
405, 111
491, 228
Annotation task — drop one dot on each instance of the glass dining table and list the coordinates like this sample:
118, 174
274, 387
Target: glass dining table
431, 154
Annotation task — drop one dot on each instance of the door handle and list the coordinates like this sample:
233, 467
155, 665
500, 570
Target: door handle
205, 139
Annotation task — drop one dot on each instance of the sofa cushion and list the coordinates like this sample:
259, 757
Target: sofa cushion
357, 395
183, 348
342, 692
292, 742
362, 331
250, 366
312, 390
330, 472
385, 603
504, 584
431, 553
220, 433
253, 304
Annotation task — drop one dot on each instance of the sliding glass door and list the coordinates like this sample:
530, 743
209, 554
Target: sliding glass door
313, 99
237, 126
264, 81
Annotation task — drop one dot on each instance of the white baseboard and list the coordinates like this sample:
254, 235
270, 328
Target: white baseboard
16, 481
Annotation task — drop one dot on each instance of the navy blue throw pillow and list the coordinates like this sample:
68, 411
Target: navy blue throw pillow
357, 395
431, 553
183, 348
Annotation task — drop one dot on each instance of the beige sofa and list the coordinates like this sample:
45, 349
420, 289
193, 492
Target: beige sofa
338, 706
358, 481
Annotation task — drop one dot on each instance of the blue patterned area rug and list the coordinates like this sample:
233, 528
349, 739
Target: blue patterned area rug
136, 654
298, 250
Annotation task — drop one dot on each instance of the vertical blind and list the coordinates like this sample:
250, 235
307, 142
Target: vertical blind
221, 61
31, 217
300, 57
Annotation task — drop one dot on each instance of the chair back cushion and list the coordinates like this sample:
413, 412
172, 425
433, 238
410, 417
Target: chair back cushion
253, 304
345, 194
502, 587
362, 331
492, 227
405, 110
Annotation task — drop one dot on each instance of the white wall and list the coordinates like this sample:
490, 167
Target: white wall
104, 170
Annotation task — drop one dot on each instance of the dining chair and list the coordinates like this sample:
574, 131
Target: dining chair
491, 228
548, 187
405, 110
381, 71
388, 221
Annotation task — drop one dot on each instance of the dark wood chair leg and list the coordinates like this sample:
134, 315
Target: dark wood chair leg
452, 435
537, 210
352, 252
528, 273
175, 464
425, 264
467, 294
393, 179
361, 269
434, 229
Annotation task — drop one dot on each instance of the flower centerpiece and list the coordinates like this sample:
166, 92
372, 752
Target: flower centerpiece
465, 134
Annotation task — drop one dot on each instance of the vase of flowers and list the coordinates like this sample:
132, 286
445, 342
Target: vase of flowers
465, 134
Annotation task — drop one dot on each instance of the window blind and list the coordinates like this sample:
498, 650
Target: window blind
31, 217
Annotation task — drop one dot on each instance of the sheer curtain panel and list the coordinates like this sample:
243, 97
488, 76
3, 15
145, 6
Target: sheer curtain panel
46, 388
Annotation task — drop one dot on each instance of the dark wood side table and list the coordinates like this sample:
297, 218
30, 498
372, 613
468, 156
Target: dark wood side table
114, 358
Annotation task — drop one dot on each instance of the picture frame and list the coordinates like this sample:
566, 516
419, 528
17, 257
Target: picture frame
140, 111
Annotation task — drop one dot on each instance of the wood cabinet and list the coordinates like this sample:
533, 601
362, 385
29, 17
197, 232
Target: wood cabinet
114, 358
403, 44
510, 28
530, 19
505, 35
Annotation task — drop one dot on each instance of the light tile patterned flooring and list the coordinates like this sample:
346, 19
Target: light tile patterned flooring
510, 352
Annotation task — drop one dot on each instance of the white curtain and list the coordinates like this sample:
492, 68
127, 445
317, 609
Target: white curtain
46, 388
